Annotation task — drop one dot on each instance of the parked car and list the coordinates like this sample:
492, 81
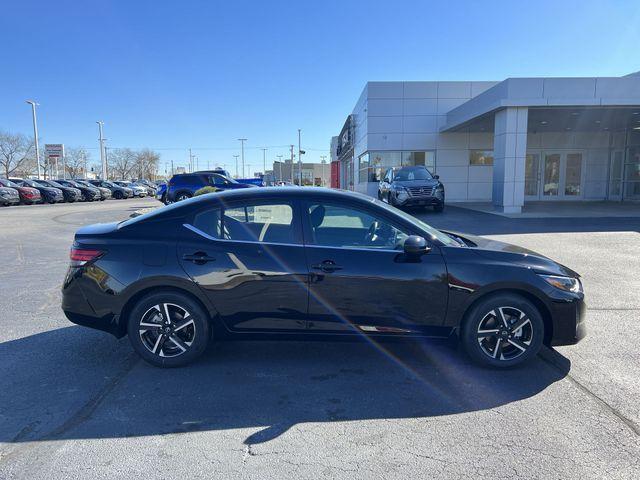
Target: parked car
88, 194
71, 194
161, 193
48, 194
118, 192
28, 195
184, 185
411, 187
313, 262
105, 193
138, 190
151, 187
9, 196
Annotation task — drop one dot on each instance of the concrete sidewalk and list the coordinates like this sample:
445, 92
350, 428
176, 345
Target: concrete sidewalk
562, 209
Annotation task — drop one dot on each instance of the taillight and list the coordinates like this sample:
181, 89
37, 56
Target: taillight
80, 256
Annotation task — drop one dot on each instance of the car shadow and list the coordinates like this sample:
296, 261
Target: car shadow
75, 383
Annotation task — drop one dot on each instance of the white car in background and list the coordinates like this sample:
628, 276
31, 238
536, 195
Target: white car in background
138, 190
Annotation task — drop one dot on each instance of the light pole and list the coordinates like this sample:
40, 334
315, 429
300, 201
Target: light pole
280, 167
264, 161
322, 161
35, 133
300, 153
103, 159
242, 140
236, 157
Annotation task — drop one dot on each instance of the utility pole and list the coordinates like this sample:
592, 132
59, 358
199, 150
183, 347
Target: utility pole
236, 157
299, 159
280, 167
84, 158
172, 170
292, 172
323, 162
242, 140
35, 133
106, 159
264, 161
190, 162
103, 155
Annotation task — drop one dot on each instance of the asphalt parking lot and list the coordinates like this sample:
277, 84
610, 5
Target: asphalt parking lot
77, 403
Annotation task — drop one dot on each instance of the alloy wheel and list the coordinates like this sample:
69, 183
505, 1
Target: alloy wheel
167, 330
505, 333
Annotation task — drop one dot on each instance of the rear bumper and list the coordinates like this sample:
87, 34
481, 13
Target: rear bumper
569, 322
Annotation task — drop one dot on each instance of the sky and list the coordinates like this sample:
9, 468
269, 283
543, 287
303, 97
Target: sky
174, 75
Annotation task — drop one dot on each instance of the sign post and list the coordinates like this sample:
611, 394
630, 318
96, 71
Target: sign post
55, 152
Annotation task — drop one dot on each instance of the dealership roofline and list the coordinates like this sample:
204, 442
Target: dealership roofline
547, 92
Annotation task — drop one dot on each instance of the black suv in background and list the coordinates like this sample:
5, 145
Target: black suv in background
117, 191
183, 186
411, 187
105, 193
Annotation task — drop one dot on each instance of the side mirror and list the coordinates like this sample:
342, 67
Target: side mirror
415, 245
437, 177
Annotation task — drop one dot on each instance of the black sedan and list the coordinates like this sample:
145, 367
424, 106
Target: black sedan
105, 193
48, 194
305, 262
71, 194
412, 187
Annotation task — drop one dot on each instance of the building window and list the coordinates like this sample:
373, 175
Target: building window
363, 168
412, 159
481, 157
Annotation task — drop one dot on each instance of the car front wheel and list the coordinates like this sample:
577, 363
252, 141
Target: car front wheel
502, 331
168, 329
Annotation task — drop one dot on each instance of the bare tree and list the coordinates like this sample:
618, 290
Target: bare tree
15, 152
147, 163
121, 163
76, 160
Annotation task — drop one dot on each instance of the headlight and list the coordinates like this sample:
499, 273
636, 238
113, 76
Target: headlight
568, 284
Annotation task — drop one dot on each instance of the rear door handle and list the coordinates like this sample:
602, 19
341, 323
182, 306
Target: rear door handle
199, 258
327, 266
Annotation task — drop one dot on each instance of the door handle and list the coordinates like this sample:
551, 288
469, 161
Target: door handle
327, 266
199, 258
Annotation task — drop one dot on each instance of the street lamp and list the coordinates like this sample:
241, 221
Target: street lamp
236, 157
103, 162
35, 133
242, 140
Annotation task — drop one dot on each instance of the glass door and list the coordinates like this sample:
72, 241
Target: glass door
632, 174
615, 175
554, 176
532, 176
551, 175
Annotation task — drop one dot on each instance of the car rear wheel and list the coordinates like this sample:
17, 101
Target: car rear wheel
168, 329
182, 196
117, 195
503, 331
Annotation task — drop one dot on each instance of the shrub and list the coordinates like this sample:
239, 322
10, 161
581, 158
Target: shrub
205, 190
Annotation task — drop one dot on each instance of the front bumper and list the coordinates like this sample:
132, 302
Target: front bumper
417, 200
569, 325
10, 200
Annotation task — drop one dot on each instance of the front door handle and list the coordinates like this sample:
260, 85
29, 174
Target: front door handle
199, 258
327, 266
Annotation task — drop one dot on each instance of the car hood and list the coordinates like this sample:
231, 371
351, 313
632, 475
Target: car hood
9, 190
514, 254
416, 183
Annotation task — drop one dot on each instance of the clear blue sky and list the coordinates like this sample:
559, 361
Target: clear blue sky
170, 75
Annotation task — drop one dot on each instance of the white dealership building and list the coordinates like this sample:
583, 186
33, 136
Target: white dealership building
510, 142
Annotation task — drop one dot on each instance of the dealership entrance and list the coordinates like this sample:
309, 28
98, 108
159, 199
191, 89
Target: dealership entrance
554, 175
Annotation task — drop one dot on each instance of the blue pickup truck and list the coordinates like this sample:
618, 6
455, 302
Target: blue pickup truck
183, 186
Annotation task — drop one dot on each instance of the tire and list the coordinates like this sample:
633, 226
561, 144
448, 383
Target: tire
484, 327
159, 349
117, 195
182, 196
438, 208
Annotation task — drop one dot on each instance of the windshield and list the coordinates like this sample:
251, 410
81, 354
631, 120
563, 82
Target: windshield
8, 183
30, 183
412, 173
51, 183
434, 232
